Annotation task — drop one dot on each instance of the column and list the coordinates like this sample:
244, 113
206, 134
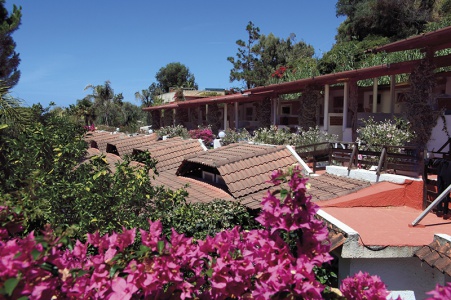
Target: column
274, 111
236, 115
225, 116
326, 106
345, 105
374, 109
392, 93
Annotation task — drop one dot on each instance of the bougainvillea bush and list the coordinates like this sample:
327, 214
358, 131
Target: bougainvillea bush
275, 262
205, 134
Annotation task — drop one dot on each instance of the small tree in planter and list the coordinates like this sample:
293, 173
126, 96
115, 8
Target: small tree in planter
213, 119
421, 105
168, 117
264, 112
156, 119
308, 111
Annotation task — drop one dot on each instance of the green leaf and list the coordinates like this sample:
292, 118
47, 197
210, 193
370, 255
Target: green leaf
81, 273
283, 194
3, 126
10, 285
97, 175
209, 272
160, 247
113, 270
35, 253
17, 209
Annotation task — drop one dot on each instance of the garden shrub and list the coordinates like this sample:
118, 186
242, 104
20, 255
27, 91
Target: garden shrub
173, 131
373, 135
43, 179
312, 136
282, 136
232, 136
272, 136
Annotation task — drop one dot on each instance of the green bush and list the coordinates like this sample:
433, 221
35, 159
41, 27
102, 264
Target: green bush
173, 131
44, 176
373, 135
232, 136
282, 136
272, 136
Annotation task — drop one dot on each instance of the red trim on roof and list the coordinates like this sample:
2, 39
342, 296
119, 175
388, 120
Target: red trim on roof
159, 107
360, 74
436, 40
210, 100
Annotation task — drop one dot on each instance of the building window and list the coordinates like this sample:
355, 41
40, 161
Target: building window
219, 179
249, 113
208, 176
285, 109
379, 97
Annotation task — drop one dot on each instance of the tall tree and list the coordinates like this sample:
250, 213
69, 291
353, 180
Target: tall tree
9, 59
261, 55
11, 112
246, 58
175, 75
84, 109
394, 19
103, 96
149, 97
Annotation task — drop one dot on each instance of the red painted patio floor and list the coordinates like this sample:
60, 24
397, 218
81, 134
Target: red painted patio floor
389, 226
382, 213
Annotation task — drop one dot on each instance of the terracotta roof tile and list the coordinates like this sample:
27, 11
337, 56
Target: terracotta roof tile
125, 146
328, 186
170, 152
100, 141
437, 254
232, 153
112, 159
198, 191
245, 168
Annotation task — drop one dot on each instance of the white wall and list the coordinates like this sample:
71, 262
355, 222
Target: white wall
438, 136
397, 273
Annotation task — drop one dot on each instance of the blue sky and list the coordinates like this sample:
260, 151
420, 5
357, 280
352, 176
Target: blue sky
66, 45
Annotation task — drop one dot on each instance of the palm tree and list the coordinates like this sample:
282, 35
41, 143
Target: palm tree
103, 96
148, 98
11, 111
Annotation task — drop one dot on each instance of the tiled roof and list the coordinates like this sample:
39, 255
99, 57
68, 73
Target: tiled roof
125, 146
198, 191
328, 186
437, 254
336, 238
100, 141
112, 159
232, 153
170, 152
245, 168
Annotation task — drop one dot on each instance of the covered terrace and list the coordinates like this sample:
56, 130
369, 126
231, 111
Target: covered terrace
343, 101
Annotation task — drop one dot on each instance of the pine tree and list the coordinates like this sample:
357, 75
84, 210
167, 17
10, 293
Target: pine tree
9, 59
